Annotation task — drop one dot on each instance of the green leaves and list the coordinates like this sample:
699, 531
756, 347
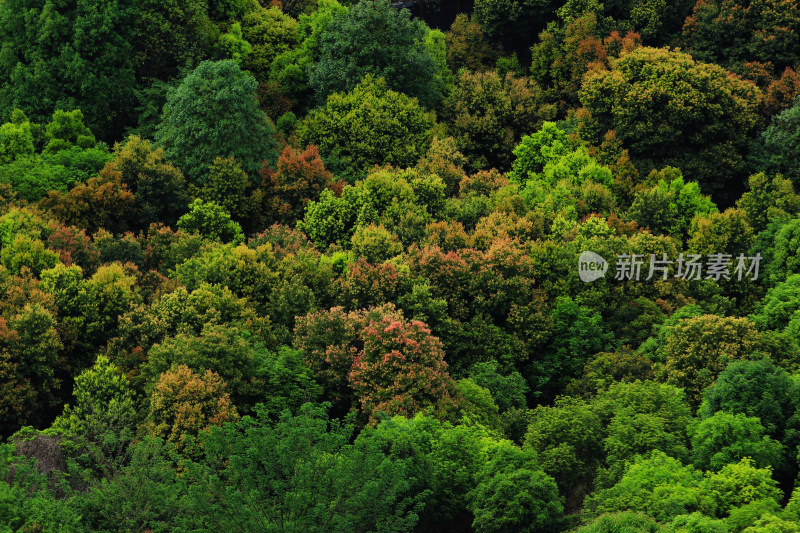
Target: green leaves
212, 113
212, 221
367, 126
670, 110
349, 51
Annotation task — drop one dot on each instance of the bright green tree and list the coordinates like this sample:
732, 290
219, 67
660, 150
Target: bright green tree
211, 220
369, 125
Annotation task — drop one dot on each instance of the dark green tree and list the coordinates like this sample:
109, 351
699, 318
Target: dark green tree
214, 113
349, 50
75, 54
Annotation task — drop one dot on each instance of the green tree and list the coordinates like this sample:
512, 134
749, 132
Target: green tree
290, 69
234, 45
568, 440
104, 415
726, 438
159, 187
779, 307
577, 334
738, 484
621, 522
16, 138
349, 51
534, 151
755, 388
700, 348
689, 115
214, 113
227, 185
367, 126
669, 207
488, 115
515, 24
298, 472
69, 55
772, 151
211, 220
734, 33
768, 200
658, 486
270, 32
513, 493
219, 348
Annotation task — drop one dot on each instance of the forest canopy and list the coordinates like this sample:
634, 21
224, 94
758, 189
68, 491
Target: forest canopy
340, 265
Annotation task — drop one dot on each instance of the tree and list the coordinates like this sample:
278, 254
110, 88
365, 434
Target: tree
567, 51
35, 160
212, 221
658, 485
29, 366
488, 115
214, 113
772, 152
467, 46
159, 187
367, 126
70, 55
182, 312
669, 207
738, 484
689, 115
700, 348
621, 522
733, 33
534, 151
568, 441
104, 415
269, 32
16, 139
514, 24
768, 201
227, 186
377, 358
220, 349
727, 438
576, 334
299, 179
290, 69
779, 307
784, 247
401, 368
299, 471
349, 51
184, 403
375, 244
640, 417
755, 388
513, 493
104, 201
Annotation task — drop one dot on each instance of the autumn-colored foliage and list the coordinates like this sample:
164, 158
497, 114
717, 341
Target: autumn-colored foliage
184, 403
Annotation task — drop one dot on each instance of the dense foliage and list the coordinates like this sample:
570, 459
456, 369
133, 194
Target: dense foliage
318, 265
